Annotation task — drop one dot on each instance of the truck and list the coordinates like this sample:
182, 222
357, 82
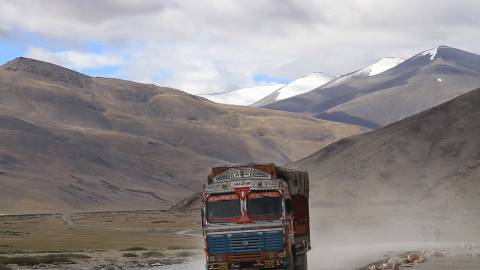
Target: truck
256, 216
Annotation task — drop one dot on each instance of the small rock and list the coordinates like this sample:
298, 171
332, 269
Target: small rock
412, 258
390, 266
438, 254
395, 260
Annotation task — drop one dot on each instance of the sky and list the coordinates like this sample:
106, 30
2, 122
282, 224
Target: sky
211, 46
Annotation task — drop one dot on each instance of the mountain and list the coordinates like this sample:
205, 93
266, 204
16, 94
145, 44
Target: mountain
262, 95
71, 142
243, 96
419, 83
414, 180
427, 161
297, 87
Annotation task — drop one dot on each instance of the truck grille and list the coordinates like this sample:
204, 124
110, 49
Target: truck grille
245, 242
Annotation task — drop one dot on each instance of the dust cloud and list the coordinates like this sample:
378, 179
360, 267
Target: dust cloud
349, 241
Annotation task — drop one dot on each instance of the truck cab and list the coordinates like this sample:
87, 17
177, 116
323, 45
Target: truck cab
255, 216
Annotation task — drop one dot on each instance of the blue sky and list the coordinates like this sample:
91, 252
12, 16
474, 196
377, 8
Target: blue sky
23, 44
20, 43
213, 46
10, 50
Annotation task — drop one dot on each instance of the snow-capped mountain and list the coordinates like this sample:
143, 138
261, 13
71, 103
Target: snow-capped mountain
244, 96
296, 87
262, 95
381, 94
376, 68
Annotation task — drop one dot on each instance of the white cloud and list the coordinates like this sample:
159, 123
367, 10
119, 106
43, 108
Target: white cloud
212, 45
75, 59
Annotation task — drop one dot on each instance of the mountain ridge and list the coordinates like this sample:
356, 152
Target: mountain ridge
418, 159
71, 142
414, 85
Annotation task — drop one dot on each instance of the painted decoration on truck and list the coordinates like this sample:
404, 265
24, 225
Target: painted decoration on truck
241, 173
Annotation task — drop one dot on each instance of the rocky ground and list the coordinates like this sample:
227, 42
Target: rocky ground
461, 257
101, 260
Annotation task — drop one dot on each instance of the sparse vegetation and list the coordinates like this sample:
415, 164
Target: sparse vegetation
4, 267
129, 255
175, 247
134, 249
136, 232
40, 251
47, 259
150, 254
185, 253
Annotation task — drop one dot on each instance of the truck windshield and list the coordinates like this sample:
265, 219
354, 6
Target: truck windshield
223, 208
264, 205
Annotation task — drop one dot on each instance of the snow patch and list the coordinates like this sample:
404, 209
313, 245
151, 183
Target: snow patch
244, 96
381, 66
432, 52
303, 84
376, 68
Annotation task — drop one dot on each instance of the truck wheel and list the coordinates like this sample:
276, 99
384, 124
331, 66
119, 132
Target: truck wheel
301, 262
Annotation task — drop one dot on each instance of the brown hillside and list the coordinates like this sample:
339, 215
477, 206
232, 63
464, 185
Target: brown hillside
74, 142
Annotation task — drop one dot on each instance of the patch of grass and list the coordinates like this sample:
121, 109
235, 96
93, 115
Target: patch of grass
150, 254
175, 247
11, 252
4, 267
185, 253
182, 247
129, 255
47, 259
136, 227
134, 249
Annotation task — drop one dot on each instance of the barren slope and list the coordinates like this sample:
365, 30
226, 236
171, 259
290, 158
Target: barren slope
430, 160
73, 142
415, 180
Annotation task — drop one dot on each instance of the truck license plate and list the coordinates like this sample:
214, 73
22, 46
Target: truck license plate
269, 264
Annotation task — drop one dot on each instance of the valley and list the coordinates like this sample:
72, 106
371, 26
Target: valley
239, 135
95, 240
92, 166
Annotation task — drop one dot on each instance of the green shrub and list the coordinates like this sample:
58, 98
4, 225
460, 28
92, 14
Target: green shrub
134, 249
4, 267
185, 253
47, 259
153, 254
129, 255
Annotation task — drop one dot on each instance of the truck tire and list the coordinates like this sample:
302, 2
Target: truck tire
301, 262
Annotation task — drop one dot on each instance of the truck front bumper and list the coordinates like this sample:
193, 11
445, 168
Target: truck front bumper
263, 264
